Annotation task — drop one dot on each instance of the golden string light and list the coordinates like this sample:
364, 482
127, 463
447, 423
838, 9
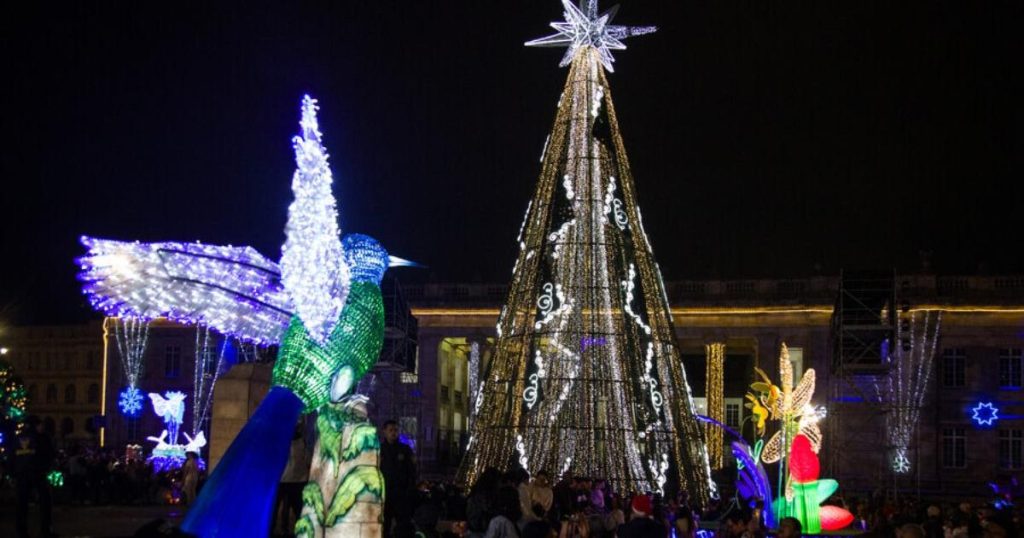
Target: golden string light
714, 390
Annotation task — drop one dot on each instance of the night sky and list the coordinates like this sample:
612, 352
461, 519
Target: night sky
767, 139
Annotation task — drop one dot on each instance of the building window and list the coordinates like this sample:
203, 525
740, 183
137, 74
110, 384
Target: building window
410, 378
51, 393
458, 399
700, 406
33, 392
90, 360
172, 362
1010, 361
409, 426
1011, 449
796, 359
444, 394
94, 393
953, 368
69, 394
67, 426
732, 414
953, 447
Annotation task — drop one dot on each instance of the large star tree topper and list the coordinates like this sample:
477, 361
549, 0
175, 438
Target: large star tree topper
584, 27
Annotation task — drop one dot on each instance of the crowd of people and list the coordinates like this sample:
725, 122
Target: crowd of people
515, 505
82, 475
498, 504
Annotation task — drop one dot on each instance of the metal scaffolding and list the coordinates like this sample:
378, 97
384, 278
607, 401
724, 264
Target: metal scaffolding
863, 324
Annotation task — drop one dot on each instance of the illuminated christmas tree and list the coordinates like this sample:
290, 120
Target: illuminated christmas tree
587, 377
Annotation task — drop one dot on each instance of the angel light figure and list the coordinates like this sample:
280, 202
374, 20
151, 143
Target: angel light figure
171, 408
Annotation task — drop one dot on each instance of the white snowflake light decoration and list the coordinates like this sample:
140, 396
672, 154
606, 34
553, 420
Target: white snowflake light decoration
130, 401
901, 463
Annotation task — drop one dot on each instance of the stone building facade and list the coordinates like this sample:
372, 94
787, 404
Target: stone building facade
978, 360
62, 368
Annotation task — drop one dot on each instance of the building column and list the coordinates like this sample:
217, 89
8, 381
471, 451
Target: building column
428, 376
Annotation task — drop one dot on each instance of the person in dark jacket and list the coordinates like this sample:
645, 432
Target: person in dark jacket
33, 459
399, 470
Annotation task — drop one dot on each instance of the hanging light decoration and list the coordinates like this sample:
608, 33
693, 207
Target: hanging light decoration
208, 364
132, 335
904, 387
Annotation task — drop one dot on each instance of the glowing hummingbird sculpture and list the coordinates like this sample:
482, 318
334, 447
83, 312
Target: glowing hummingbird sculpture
322, 304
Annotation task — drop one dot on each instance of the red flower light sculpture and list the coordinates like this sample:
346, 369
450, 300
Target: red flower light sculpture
810, 492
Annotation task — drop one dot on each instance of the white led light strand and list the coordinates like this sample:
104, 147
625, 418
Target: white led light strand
474, 378
904, 387
595, 104
131, 334
208, 363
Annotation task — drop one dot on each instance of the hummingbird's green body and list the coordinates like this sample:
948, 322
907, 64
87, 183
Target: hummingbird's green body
309, 369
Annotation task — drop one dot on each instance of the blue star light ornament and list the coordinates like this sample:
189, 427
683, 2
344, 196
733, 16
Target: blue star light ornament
985, 414
584, 27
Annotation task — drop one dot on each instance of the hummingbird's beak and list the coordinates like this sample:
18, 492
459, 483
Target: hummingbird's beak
395, 261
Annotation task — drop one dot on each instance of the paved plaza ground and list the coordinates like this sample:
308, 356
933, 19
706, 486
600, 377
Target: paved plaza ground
92, 521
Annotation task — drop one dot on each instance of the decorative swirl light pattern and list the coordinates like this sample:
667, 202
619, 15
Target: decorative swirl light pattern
533, 391
629, 285
620, 215
660, 472
545, 304
546, 300
524, 461
649, 381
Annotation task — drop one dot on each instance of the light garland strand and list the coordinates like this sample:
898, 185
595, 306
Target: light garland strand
207, 366
904, 388
714, 355
132, 334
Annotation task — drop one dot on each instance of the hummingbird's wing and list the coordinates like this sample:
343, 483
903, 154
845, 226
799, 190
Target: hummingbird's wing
234, 290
